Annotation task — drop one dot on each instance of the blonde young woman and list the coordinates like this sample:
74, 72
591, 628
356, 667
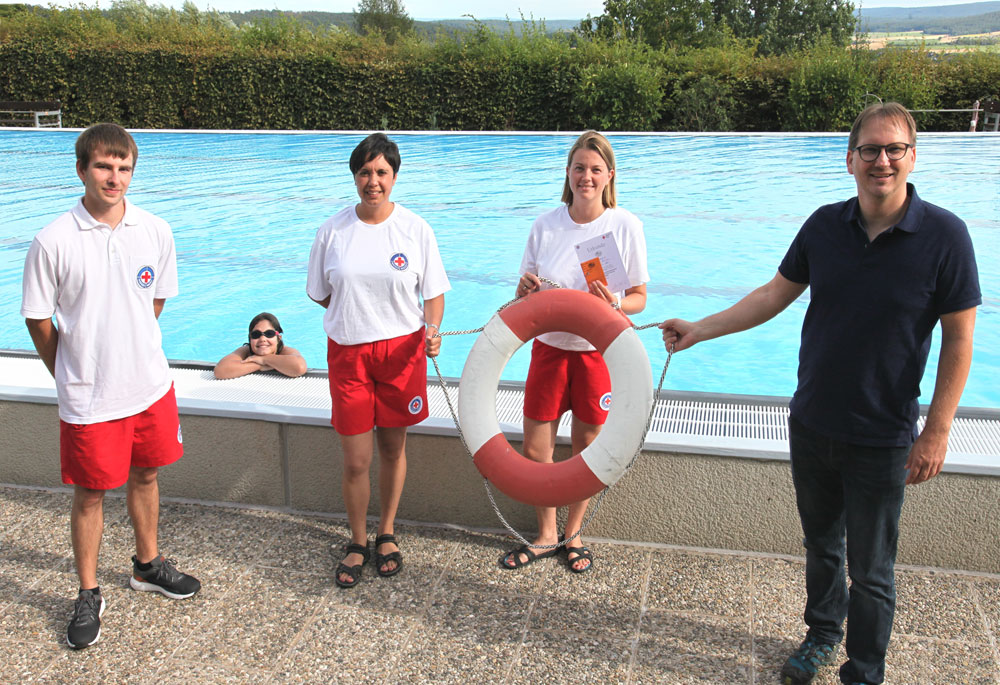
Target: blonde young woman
566, 372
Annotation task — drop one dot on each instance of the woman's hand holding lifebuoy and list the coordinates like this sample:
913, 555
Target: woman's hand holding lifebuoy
528, 283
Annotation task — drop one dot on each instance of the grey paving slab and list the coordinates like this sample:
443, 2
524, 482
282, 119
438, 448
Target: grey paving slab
987, 594
345, 644
916, 660
777, 592
608, 595
42, 542
302, 544
705, 583
931, 606
182, 670
269, 611
40, 613
689, 648
261, 617
24, 662
547, 657
470, 615
20, 504
115, 659
439, 655
22, 570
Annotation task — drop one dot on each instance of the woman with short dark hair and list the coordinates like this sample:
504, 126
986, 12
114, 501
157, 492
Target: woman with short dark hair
376, 270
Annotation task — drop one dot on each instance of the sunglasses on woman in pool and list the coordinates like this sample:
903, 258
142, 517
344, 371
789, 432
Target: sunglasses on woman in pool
269, 333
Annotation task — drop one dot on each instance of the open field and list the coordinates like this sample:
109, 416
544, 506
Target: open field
935, 42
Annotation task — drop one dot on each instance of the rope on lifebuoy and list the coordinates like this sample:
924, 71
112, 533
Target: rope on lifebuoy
606, 459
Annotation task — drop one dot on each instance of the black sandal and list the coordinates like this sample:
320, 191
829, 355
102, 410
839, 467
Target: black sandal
383, 559
515, 556
581, 553
353, 572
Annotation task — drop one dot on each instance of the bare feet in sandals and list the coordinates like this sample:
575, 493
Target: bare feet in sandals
388, 558
349, 570
524, 555
578, 557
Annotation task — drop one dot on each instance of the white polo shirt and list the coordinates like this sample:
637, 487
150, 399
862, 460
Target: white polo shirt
375, 275
100, 285
550, 253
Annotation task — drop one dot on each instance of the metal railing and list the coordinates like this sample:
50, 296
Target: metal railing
991, 110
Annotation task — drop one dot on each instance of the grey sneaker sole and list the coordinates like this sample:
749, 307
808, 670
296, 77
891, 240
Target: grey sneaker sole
141, 586
96, 637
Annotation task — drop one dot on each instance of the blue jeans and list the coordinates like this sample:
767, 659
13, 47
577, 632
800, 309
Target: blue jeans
853, 491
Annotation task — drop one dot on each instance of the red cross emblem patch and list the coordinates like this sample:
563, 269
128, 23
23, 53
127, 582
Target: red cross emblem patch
399, 262
145, 277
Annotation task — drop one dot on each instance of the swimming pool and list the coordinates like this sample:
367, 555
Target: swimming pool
719, 212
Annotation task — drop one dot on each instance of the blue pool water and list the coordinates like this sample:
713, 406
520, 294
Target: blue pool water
719, 213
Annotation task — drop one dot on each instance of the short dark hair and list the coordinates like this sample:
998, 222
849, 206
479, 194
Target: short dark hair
371, 147
883, 110
111, 138
271, 319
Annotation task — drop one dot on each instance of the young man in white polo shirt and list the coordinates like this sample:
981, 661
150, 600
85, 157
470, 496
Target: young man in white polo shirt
104, 270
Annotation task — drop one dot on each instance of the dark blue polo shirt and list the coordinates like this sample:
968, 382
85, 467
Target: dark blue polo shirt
873, 307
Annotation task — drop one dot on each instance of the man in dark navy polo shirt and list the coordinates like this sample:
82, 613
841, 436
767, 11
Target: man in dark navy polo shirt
882, 268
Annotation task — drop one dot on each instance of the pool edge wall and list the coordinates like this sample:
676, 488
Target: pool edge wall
674, 498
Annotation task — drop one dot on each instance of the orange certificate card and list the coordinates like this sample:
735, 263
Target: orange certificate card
593, 271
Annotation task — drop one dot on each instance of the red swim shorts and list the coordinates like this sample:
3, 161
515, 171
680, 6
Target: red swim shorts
381, 383
99, 455
562, 380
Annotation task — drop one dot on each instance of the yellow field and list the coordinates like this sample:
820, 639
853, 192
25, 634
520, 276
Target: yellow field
934, 42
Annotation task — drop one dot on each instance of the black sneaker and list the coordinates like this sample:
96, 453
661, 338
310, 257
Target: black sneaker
163, 577
85, 626
811, 656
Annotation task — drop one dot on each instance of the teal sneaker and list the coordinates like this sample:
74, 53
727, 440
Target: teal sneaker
803, 665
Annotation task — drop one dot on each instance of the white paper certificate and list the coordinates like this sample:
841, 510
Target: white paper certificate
601, 261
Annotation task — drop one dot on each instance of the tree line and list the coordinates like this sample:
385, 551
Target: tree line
154, 67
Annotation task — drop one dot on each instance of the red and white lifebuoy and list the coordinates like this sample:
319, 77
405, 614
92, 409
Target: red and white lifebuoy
604, 461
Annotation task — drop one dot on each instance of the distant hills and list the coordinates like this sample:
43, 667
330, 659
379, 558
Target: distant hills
956, 20
429, 28
969, 9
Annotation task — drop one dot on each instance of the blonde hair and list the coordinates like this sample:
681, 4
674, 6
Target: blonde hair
592, 140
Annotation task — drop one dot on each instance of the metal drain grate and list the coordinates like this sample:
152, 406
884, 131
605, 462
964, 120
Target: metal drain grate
696, 423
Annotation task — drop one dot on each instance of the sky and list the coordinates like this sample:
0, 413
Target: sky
455, 9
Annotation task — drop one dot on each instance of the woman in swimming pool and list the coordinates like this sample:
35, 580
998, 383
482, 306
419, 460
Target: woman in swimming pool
264, 349
566, 372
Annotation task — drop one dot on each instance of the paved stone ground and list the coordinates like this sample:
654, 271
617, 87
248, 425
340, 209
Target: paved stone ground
269, 611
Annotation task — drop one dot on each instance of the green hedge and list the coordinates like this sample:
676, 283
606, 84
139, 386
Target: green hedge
487, 83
